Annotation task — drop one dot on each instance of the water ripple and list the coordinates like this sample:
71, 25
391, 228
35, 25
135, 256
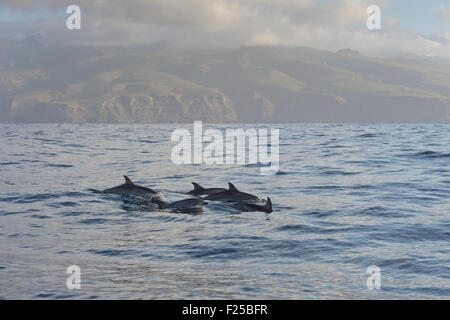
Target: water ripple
346, 196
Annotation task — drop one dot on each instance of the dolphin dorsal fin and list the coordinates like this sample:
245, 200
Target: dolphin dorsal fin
268, 205
197, 187
128, 180
231, 187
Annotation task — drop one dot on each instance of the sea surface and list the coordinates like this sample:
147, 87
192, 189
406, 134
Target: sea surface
346, 197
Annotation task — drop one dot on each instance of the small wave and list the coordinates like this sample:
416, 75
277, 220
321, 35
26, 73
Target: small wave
30, 198
147, 161
330, 187
31, 161
299, 228
283, 173
4, 213
39, 216
431, 154
378, 211
33, 198
368, 135
45, 295
74, 213
63, 204
338, 172
322, 214
94, 221
49, 141
240, 238
147, 141
73, 145
49, 154
116, 149
59, 165
407, 234
8, 163
205, 252
178, 176
332, 154
112, 252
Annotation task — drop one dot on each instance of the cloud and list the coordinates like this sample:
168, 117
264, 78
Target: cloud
326, 24
212, 14
182, 13
444, 13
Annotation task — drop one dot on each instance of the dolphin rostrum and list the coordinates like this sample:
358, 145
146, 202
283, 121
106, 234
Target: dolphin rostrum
245, 206
129, 188
186, 204
232, 194
200, 191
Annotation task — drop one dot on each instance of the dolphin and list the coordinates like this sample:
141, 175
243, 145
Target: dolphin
200, 191
186, 204
245, 206
129, 188
232, 194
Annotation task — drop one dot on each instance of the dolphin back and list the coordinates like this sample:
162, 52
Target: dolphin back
231, 187
128, 180
129, 188
268, 205
198, 189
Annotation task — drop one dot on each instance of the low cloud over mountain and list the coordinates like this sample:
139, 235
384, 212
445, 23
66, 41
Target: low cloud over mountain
44, 83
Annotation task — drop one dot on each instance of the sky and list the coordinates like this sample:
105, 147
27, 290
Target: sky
409, 27
419, 16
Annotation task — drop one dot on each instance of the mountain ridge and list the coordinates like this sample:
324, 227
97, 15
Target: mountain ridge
44, 83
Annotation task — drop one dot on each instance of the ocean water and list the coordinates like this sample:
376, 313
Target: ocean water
346, 197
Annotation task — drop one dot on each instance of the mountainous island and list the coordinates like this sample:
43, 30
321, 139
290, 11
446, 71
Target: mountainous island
42, 83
